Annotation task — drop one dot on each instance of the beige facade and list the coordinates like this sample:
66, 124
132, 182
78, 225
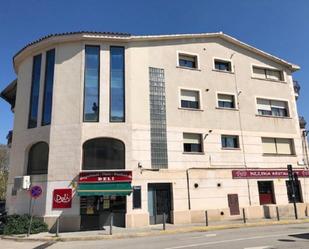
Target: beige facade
209, 172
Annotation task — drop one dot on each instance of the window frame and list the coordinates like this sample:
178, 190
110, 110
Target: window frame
201, 143
28, 156
192, 90
40, 55
189, 54
230, 148
272, 99
283, 76
292, 147
137, 187
43, 123
227, 108
224, 60
124, 84
84, 81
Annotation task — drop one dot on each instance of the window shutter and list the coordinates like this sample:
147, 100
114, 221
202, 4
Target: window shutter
189, 95
259, 73
189, 138
284, 146
263, 104
226, 98
269, 145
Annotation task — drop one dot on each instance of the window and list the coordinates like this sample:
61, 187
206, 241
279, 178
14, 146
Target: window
35, 91
189, 61
226, 101
266, 73
229, 142
91, 88
48, 87
137, 197
117, 91
276, 108
222, 65
281, 146
192, 142
38, 159
190, 99
103, 153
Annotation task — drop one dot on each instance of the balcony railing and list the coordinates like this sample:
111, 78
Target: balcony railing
296, 87
302, 122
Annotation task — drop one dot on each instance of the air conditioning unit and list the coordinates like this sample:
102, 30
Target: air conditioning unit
21, 182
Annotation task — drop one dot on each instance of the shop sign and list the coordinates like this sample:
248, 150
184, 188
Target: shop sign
259, 173
62, 198
105, 176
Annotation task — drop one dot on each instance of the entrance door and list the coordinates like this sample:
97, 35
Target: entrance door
159, 202
266, 192
233, 204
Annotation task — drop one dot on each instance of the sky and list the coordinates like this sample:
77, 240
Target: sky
279, 27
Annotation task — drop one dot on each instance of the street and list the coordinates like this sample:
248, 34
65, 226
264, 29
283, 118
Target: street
268, 237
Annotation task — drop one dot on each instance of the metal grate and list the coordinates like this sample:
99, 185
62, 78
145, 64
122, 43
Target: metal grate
157, 118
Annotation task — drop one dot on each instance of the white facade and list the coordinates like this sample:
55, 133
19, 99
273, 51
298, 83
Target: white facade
211, 169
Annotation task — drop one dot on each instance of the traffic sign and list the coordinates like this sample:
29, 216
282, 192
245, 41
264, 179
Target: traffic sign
35, 191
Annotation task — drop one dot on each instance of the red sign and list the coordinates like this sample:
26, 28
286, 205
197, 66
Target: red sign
105, 176
261, 173
62, 198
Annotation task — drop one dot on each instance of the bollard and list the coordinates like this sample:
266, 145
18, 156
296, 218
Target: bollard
244, 215
111, 224
57, 226
278, 216
163, 221
306, 211
206, 218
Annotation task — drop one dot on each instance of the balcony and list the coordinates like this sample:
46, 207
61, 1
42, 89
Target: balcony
302, 122
296, 88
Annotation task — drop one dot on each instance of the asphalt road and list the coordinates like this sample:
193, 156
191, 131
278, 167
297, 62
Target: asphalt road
268, 237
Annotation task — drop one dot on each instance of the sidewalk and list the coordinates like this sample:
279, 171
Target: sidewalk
153, 230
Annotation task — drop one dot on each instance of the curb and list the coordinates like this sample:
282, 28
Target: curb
153, 233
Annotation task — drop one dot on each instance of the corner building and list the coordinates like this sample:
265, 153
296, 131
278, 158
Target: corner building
139, 126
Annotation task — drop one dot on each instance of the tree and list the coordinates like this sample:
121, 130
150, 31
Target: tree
4, 164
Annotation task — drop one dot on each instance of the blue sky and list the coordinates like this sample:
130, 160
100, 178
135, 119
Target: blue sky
280, 27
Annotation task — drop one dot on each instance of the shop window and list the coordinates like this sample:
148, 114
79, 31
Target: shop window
38, 159
103, 153
137, 197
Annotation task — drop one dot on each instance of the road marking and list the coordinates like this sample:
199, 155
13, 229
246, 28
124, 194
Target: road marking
231, 240
260, 247
203, 236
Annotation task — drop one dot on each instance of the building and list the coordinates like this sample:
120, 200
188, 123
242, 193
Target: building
139, 126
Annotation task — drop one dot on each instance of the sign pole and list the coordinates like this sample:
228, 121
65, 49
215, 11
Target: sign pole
292, 180
31, 217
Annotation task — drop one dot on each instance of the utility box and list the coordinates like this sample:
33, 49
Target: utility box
22, 182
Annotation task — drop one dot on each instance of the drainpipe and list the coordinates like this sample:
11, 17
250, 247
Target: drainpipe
241, 129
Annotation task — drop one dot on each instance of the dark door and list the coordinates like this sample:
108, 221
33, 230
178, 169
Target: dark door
233, 204
159, 202
266, 192
297, 191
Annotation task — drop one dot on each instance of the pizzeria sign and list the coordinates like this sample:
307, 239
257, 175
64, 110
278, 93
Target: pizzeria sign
259, 173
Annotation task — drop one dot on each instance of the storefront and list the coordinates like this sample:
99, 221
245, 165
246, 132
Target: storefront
103, 194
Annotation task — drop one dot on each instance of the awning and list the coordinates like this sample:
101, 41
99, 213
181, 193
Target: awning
104, 189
